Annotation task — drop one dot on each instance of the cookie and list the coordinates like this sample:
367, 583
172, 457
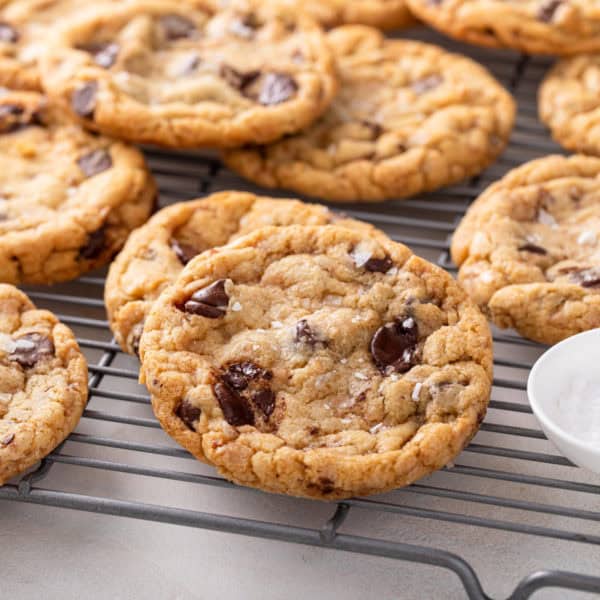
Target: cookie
24, 27
409, 118
43, 383
383, 14
173, 74
531, 26
529, 248
317, 361
569, 102
156, 253
68, 199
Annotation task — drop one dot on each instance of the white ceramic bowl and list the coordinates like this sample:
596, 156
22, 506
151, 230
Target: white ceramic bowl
560, 380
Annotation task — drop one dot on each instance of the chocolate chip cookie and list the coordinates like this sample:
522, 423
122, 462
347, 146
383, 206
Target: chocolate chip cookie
180, 75
317, 361
43, 383
68, 199
409, 118
156, 253
529, 248
383, 14
532, 26
569, 101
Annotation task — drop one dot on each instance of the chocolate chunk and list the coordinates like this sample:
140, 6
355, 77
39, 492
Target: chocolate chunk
426, 84
188, 413
305, 334
8, 34
104, 53
210, 302
135, 336
95, 162
533, 248
31, 348
83, 99
326, 485
379, 265
587, 278
177, 27
245, 26
237, 79
394, 345
277, 88
264, 400
548, 9
7, 439
184, 252
376, 128
236, 409
239, 375
94, 245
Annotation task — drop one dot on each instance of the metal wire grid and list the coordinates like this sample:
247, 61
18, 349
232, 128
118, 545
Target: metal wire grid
495, 483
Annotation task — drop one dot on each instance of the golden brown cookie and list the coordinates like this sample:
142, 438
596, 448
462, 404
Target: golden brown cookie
317, 361
180, 75
529, 248
43, 383
532, 26
410, 117
68, 199
156, 253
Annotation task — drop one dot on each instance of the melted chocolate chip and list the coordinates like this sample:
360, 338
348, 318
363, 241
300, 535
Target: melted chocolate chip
587, 278
188, 413
11, 117
548, 9
326, 485
210, 302
237, 79
239, 375
245, 26
376, 128
533, 248
83, 99
264, 400
426, 84
277, 88
104, 53
135, 336
7, 439
184, 252
394, 345
95, 162
236, 409
305, 334
8, 34
177, 27
379, 265
94, 245
32, 348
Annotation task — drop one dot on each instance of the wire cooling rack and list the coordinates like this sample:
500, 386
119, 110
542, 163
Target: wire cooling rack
544, 510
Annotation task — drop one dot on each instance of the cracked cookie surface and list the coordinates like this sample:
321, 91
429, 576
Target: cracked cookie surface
532, 26
569, 103
43, 383
409, 117
529, 248
180, 75
68, 199
318, 362
156, 253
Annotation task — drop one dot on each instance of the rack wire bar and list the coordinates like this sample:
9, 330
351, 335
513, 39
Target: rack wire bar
510, 479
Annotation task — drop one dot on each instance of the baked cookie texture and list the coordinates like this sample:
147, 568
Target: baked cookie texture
529, 248
43, 383
177, 74
569, 103
383, 14
68, 199
318, 362
533, 26
156, 253
410, 117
